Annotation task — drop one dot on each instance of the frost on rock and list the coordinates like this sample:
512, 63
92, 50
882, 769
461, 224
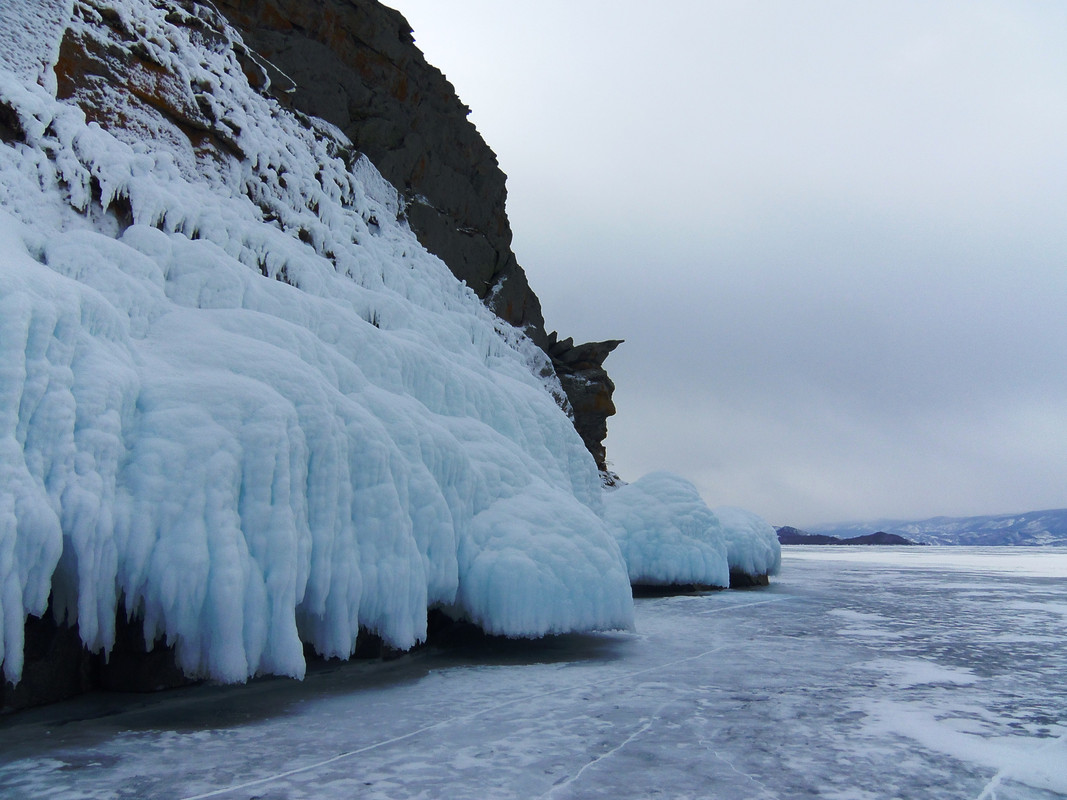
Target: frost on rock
30, 31
240, 403
667, 533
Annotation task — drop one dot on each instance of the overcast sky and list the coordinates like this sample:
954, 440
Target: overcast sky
833, 234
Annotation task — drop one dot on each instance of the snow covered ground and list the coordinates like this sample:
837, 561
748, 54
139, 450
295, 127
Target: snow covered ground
861, 673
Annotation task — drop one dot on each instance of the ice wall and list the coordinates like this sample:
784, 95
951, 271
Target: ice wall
752, 546
238, 397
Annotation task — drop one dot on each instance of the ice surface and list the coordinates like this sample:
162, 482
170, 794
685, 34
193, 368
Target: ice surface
1035, 563
727, 695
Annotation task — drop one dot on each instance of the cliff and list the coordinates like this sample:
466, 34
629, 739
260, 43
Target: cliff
354, 63
244, 414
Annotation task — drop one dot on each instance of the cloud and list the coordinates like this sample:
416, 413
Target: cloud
831, 234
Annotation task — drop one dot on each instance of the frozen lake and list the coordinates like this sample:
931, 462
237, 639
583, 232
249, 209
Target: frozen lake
861, 673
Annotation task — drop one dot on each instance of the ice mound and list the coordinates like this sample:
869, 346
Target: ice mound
752, 546
667, 533
241, 403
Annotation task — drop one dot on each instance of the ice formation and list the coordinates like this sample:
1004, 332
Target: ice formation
240, 402
668, 535
751, 542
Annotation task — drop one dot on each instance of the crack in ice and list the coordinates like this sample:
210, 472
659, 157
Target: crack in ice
989, 790
648, 722
766, 789
525, 698
744, 605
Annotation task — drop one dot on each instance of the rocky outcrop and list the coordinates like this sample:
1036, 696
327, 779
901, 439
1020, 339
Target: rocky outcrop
109, 69
790, 535
58, 666
106, 69
880, 537
589, 389
354, 63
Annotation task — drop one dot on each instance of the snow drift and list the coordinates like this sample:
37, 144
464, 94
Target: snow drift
239, 402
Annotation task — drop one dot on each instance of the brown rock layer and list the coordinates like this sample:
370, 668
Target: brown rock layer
105, 68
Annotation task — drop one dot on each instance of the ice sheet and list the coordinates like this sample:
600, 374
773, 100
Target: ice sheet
730, 695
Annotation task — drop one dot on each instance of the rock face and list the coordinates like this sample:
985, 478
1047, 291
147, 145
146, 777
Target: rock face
354, 63
589, 389
58, 666
106, 70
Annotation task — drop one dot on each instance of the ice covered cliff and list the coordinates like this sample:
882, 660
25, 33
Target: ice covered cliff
354, 63
239, 402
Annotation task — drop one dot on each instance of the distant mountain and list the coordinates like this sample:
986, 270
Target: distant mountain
790, 535
879, 537
1033, 528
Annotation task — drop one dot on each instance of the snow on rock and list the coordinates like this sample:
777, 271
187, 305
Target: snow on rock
667, 533
30, 31
752, 546
239, 401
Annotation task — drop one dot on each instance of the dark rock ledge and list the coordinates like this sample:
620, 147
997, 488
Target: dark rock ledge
58, 666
